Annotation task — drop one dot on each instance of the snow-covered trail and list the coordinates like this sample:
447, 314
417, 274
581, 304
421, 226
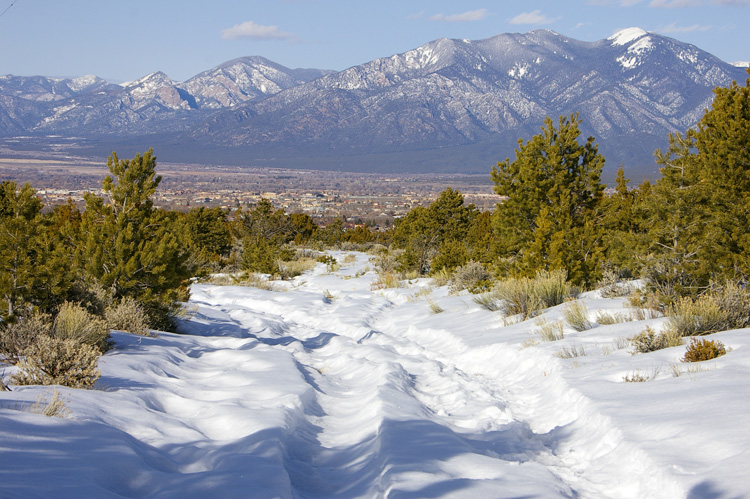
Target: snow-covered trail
401, 410
327, 389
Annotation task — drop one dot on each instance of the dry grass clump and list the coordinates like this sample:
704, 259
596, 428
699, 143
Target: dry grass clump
488, 301
606, 318
434, 307
649, 340
571, 351
441, 277
638, 377
703, 349
55, 361
386, 280
294, 268
550, 331
73, 322
576, 315
527, 297
472, 276
128, 315
720, 309
54, 408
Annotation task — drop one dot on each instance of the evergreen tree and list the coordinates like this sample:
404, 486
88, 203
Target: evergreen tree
20, 221
679, 215
553, 189
130, 247
722, 140
424, 230
206, 233
622, 226
266, 222
57, 243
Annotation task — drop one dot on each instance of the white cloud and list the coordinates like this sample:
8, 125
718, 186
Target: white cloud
736, 3
471, 15
673, 28
254, 31
674, 4
533, 17
418, 15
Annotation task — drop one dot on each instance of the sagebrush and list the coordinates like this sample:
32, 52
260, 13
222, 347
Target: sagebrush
55, 361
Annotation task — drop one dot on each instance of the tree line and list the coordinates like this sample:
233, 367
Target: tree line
688, 229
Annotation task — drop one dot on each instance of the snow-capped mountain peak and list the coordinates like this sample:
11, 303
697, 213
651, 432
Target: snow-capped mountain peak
625, 36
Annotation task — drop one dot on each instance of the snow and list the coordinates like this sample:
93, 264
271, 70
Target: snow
625, 36
741, 64
82, 82
326, 388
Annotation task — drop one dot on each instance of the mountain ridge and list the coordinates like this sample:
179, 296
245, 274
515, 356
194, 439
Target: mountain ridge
461, 103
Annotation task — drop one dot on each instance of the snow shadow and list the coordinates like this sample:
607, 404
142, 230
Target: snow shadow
709, 490
404, 448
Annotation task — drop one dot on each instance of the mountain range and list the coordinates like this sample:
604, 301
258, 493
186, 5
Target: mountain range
447, 106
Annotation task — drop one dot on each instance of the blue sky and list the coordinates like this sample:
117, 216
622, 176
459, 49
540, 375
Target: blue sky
126, 40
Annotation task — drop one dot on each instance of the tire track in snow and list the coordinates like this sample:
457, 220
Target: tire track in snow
579, 444
402, 411
378, 435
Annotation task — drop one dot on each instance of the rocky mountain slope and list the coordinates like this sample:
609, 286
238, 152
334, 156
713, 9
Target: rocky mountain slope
454, 105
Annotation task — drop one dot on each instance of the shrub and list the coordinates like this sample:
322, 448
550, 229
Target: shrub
387, 261
472, 276
577, 315
91, 295
332, 265
719, 309
258, 255
649, 340
73, 322
526, 297
611, 286
703, 349
128, 315
15, 338
293, 268
441, 277
386, 280
55, 361
488, 301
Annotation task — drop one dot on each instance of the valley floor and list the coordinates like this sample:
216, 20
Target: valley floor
324, 388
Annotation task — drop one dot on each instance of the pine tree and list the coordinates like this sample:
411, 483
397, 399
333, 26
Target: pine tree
722, 140
553, 185
424, 230
205, 232
130, 247
700, 207
20, 221
622, 226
